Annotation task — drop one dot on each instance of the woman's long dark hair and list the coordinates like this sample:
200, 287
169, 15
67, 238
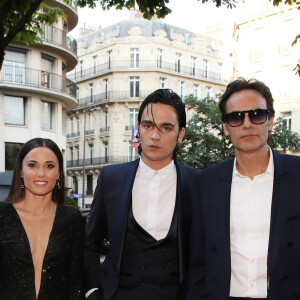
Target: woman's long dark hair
16, 193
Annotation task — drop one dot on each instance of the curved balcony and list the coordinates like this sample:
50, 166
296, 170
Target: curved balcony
112, 96
69, 10
64, 45
38, 81
147, 65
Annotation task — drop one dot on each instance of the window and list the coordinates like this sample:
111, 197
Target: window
75, 185
14, 65
181, 90
46, 112
219, 71
95, 64
208, 91
133, 117
46, 73
287, 120
178, 62
91, 93
134, 87
90, 122
81, 68
193, 65
77, 126
109, 59
106, 120
162, 83
11, 152
159, 58
205, 68
196, 91
105, 82
91, 153
77, 93
71, 125
89, 184
106, 153
71, 153
134, 58
14, 110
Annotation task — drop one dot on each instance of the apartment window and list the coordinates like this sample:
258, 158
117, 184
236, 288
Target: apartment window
205, 68
134, 87
193, 65
81, 68
106, 119
71, 153
14, 65
178, 62
77, 126
90, 121
89, 184
77, 93
91, 93
11, 152
14, 110
91, 153
71, 123
208, 91
109, 59
181, 90
134, 58
46, 72
287, 120
46, 112
106, 153
133, 117
163, 83
74, 185
159, 58
219, 71
105, 82
196, 91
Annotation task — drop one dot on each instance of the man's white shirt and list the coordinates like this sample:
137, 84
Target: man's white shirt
250, 217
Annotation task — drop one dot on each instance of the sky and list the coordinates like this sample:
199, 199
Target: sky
189, 14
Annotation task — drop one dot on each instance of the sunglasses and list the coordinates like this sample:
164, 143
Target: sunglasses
256, 116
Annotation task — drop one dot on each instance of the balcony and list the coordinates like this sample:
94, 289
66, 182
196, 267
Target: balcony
89, 132
112, 96
64, 45
38, 81
147, 65
73, 134
96, 162
104, 129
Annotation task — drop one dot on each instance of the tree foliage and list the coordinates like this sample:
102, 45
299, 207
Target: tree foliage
71, 202
282, 138
205, 143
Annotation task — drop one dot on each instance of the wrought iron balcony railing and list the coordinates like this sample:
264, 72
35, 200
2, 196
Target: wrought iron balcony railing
104, 129
146, 65
73, 134
13, 74
98, 161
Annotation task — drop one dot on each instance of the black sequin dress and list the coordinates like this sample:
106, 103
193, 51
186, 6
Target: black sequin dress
62, 266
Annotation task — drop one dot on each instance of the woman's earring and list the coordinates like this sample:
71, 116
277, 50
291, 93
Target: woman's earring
58, 184
22, 183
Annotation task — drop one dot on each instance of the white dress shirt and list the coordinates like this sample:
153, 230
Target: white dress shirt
250, 215
153, 198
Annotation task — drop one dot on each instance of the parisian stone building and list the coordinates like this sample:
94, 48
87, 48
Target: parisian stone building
264, 36
35, 93
118, 67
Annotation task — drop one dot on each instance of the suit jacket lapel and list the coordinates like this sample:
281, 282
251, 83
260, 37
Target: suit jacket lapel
279, 207
183, 198
121, 213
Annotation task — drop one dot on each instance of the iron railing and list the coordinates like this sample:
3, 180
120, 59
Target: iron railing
148, 65
36, 78
73, 134
98, 161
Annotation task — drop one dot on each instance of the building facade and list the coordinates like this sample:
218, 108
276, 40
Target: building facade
118, 67
35, 93
264, 36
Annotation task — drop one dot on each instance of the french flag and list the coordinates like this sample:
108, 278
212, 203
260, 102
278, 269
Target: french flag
134, 141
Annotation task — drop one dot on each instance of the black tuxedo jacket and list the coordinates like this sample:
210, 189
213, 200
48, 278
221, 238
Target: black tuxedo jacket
108, 219
210, 265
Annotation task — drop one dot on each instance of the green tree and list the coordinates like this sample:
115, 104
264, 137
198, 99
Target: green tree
283, 139
22, 20
70, 201
205, 143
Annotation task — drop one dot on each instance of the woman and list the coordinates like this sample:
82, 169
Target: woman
41, 240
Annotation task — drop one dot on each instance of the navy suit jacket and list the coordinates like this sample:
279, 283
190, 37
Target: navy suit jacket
108, 219
210, 265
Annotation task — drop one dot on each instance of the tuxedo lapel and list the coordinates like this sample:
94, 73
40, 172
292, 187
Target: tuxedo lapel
280, 200
121, 213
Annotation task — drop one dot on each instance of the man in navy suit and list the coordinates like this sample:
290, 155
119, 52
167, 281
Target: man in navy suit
143, 209
246, 224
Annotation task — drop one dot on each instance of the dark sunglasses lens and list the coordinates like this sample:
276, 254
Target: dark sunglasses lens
258, 116
235, 119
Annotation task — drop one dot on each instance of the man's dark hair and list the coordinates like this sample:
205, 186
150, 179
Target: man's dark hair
243, 84
168, 97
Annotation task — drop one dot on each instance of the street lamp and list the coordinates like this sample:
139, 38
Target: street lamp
84, 135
